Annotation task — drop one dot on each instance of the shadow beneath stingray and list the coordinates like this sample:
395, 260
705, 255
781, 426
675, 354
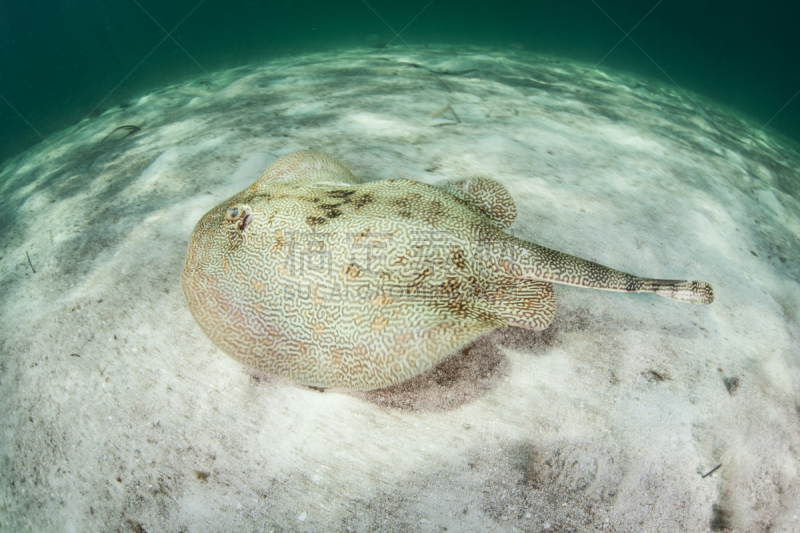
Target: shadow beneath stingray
474, 370
465, 376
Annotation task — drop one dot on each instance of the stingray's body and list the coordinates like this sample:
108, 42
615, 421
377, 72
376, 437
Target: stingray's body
311, 275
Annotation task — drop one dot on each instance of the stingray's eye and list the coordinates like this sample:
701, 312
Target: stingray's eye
241, 216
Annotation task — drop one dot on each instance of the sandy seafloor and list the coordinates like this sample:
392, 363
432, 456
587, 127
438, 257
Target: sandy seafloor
119, 415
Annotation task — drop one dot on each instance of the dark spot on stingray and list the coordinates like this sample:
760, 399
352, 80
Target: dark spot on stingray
416, 283
339, 193
450, 286
202, 475
431, 217
315, 221
124, 105
331, 211
382, 59
404, 206
352, 271
130, 129
363, 200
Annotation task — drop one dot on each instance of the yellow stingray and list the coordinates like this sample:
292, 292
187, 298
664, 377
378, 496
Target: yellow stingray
312, 275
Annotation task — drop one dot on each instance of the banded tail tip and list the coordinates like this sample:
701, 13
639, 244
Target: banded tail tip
696, 292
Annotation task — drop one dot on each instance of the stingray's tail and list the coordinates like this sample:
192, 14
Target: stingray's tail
531, 261
696, 292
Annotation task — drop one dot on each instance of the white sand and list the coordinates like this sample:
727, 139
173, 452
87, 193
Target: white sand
118, 414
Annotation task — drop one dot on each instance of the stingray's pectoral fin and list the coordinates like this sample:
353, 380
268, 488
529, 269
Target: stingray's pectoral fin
487, 196
523, 303
696, 292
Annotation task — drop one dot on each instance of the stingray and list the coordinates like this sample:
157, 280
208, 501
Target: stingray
313, 275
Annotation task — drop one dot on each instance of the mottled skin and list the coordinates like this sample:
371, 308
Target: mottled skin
312, 275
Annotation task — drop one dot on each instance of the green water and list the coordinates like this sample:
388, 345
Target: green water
61, 62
